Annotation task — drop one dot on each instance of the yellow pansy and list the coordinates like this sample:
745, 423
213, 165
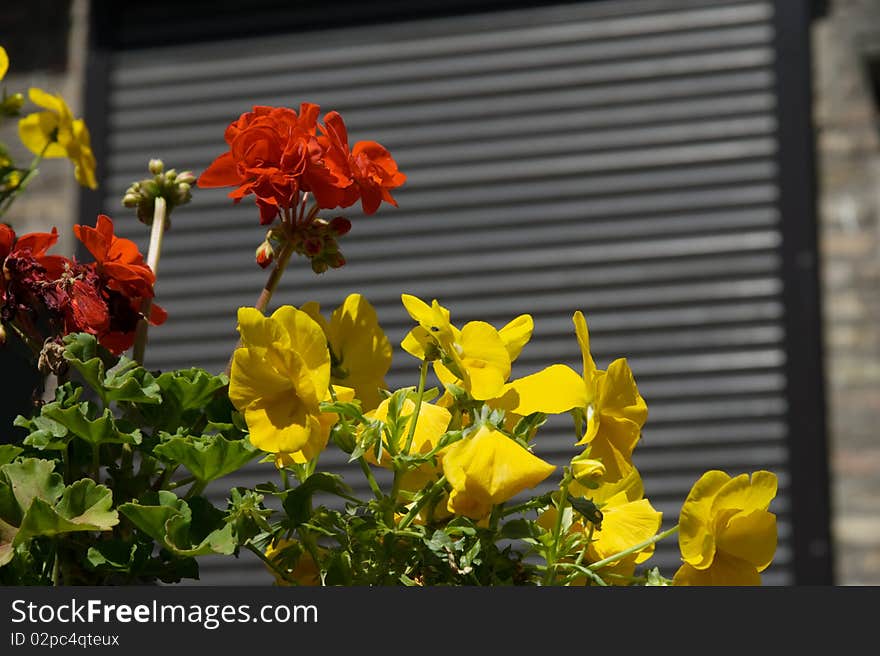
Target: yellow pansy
55, 133
4, 62
488, 468
726, 534
316, 444
616, 413
279, 377
478, 357
431, 424
627, 519
359, 350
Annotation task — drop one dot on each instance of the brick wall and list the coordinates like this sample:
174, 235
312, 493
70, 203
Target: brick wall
848, 155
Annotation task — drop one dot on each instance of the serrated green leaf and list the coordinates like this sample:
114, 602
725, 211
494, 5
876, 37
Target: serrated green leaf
174, 525
83, 506
155, 511
32, 478
102, 430
8, 453
191, 388
126, 381
83, 354
208, 457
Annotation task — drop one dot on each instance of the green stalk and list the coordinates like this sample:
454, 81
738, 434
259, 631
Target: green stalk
626, 552
26, 180
423, 375
562, 499
418, 505
156, 233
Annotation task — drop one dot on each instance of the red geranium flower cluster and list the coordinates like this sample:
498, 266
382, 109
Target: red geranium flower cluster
275, 154
103, 298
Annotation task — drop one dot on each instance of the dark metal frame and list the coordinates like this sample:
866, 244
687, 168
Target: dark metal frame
809, 473
807, 418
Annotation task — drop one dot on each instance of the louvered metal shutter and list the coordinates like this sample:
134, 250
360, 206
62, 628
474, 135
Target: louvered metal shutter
614, 157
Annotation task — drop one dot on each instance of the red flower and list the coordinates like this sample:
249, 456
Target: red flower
275, 153
126, 283
118, 260
369, 165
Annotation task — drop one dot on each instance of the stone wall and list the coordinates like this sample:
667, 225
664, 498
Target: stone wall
848, 161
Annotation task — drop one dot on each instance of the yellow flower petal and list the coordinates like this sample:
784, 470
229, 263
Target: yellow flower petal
485, 360
695, 539
516, 334
583, 338
434, 318
51, 102
416, 342
36, 133
723, 572
363, 350
749, 536
251, 380
553, 390
489, 468
624, 525
4, 62
281, 425
745, 494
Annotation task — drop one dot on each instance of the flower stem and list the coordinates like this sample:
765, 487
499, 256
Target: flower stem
25, 181
156, 233
641, 545
423, 374
271, 283
418, 505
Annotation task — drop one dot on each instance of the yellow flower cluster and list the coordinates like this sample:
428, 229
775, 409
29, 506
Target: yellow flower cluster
465, 444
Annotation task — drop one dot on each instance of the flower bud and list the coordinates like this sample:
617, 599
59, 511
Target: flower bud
156, 166
319, 266
170, 175
11, 105
587, 471
340, 225
265, 254
186, 177
131, 200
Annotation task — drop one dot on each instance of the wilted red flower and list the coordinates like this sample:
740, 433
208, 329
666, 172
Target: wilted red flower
127, 280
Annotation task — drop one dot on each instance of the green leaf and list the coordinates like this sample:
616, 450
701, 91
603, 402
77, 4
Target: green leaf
152, 516
126, 381
204, 533
102, 430
83, 506
191, 388
8, 453
7, 538
208, 457
33, 478
174, 524
297, 502
517, 529
84, 355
